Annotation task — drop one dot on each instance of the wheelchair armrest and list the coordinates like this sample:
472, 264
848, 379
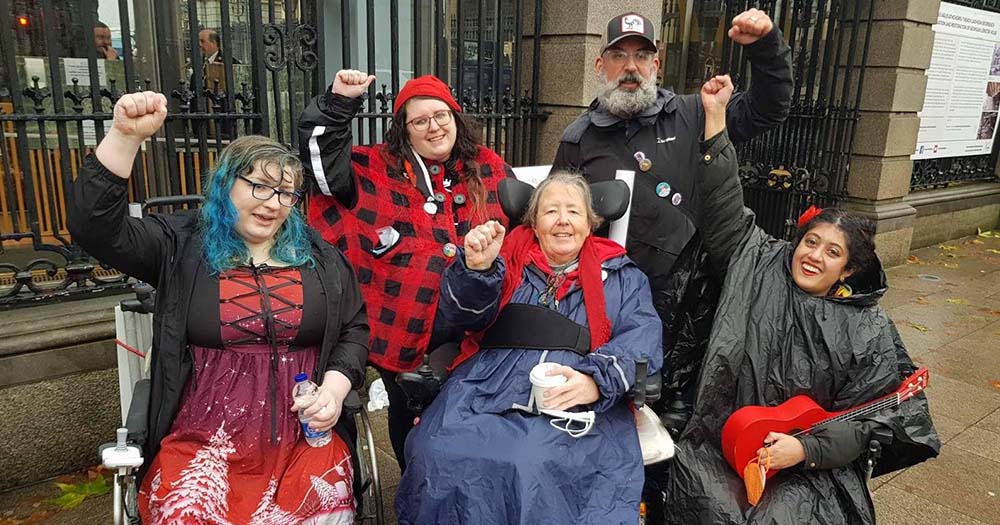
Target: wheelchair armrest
654, 386
138, 412
352, 403
647, 387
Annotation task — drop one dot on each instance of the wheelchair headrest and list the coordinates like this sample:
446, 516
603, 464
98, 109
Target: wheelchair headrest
611, 198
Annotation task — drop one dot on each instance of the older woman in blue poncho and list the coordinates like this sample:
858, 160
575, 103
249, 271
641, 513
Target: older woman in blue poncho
482, 452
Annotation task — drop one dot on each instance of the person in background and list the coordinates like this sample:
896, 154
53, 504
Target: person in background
102, 41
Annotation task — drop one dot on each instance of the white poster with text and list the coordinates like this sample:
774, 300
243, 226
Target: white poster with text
963, 85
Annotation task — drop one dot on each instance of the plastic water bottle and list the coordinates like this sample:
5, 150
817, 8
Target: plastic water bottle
304, 393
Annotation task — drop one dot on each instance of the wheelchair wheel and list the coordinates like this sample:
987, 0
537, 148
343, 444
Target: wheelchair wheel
370, 509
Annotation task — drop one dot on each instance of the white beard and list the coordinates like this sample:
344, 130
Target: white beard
622, 103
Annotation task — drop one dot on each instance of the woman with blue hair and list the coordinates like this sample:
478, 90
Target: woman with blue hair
248, 296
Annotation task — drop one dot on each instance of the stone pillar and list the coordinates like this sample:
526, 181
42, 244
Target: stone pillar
571, 32
886, 133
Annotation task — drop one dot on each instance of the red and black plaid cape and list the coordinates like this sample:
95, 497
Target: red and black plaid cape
401, 285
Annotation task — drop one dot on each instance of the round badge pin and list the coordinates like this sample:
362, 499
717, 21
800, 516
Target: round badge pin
430, 208
676, 199
450, 250
663, 190
645, 165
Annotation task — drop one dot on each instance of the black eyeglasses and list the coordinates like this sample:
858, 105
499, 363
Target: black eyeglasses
264, 192
422, 123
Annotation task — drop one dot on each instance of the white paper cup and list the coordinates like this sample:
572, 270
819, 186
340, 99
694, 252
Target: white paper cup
541, 382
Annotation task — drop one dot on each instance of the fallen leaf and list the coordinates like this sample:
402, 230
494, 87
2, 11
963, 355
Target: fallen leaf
951, 255
948, 248
993, 250
976, 241
996, 384
991, 311
73, 494
922, 300
913, 259
950, 265
915, 326
956, 300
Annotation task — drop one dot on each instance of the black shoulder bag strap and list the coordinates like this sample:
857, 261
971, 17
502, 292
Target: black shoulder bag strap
535, 327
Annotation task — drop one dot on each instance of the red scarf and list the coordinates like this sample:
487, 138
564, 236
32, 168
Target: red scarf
520, 247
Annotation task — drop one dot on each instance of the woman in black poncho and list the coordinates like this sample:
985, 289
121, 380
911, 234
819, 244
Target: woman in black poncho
789, 323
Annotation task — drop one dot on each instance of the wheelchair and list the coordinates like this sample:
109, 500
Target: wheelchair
133, 339
611, 201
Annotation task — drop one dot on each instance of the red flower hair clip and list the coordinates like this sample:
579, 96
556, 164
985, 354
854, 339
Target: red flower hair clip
809, 215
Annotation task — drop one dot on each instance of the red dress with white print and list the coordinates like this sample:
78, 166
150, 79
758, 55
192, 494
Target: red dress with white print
235, 454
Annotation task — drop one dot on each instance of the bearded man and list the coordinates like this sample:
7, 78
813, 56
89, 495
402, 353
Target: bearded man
632, 125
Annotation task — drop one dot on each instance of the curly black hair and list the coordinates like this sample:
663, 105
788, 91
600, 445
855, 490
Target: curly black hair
860, 233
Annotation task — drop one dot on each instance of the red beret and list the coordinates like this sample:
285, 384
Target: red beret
425, 86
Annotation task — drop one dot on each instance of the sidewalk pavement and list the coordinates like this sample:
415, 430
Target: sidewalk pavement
946, 303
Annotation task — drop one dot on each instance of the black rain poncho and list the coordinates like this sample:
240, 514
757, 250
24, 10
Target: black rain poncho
772, 341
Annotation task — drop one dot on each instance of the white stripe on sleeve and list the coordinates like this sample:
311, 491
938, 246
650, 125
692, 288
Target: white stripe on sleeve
317, 161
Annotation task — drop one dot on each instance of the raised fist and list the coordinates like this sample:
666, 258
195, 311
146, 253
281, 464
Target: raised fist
749, 26
482, 245
716, 92
351, 83
139, 115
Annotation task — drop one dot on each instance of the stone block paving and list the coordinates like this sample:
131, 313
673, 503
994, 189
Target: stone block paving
946, 304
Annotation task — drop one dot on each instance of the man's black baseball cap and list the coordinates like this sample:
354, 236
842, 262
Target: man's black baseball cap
626, 25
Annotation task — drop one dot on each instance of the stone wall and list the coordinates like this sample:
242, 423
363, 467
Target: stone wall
58, 388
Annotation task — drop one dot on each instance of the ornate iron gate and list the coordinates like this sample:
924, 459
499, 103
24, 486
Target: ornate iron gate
56, 96
806, 159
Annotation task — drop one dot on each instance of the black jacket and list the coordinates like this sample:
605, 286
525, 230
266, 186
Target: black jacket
772, 341
166, 250
662, 237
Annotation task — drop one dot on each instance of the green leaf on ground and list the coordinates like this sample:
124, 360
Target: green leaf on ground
993, 250
947, 248
987, 233
956, 300
73, 494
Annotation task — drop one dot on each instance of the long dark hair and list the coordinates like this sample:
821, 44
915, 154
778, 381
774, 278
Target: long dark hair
860, 233
466, 149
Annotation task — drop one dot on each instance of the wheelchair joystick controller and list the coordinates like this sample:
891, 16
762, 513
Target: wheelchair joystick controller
121, 455
425, 369
420, 386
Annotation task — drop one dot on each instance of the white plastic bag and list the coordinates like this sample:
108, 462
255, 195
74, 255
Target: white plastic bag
654, 440
378, 398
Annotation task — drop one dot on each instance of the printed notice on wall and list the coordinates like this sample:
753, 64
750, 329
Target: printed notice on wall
963, 85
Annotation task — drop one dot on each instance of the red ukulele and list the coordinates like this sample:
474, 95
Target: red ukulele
745, 430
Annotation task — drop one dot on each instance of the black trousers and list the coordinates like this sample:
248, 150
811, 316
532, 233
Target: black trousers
400, 416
